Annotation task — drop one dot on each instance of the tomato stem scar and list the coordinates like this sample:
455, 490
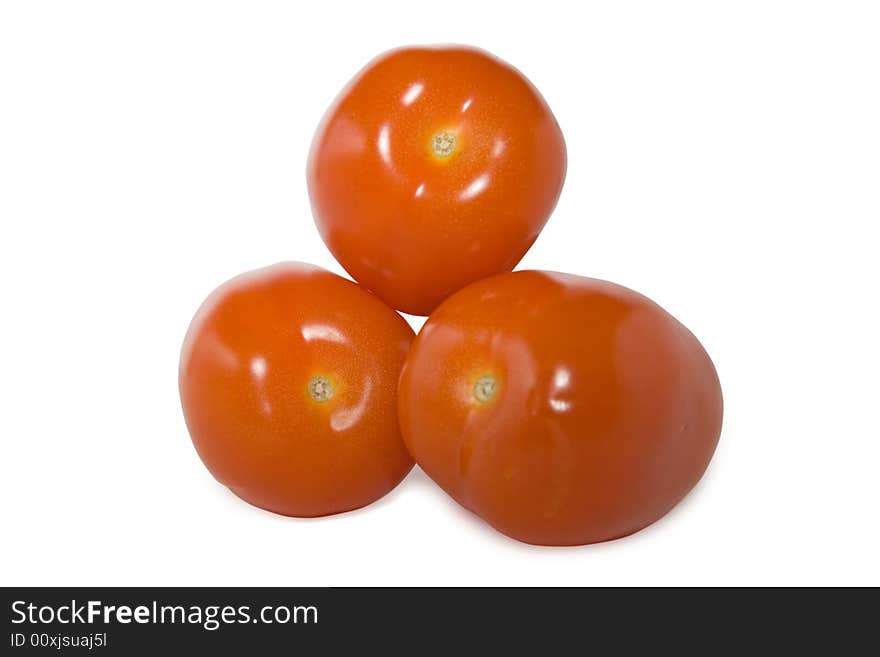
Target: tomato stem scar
484, 388
320, 388
443, 143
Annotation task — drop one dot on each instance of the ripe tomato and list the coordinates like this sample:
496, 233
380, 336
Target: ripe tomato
288, 380
434, 168
563, 410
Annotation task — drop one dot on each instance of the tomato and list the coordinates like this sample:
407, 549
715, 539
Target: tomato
434, 168
288, 380
562, 410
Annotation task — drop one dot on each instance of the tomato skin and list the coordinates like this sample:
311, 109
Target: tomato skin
605, 413
252, 363
414, 226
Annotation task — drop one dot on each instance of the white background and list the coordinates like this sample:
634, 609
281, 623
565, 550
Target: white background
724, 159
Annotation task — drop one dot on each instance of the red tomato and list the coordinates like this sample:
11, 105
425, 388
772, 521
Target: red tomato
288, 379
563, 410
434, 168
